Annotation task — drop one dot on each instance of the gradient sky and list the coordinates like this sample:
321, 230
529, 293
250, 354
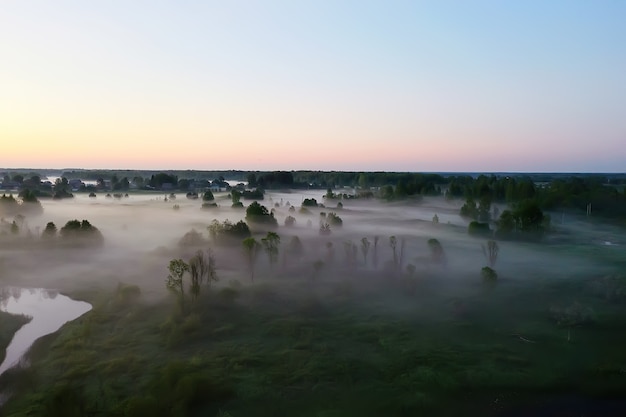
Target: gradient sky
345, 85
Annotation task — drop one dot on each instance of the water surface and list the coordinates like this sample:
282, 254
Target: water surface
49, 311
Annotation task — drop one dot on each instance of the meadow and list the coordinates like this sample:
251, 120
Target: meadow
326, 330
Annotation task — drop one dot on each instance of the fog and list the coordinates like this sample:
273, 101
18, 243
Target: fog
142, 233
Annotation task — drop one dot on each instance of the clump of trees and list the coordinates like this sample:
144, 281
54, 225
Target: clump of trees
81, 233
228, 232
26, 204
258, 214
200, 268
309, 202
526, 221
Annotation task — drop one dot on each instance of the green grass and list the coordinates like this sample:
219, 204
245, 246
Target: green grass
359, 347
9, 324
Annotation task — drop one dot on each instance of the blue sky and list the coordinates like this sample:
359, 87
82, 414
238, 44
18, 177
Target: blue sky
346, 85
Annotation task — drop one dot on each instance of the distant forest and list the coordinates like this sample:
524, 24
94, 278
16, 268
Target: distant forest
602, 194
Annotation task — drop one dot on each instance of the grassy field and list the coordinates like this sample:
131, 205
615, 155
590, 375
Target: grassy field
355, 347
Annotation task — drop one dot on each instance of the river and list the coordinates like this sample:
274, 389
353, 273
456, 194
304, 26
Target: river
49, 311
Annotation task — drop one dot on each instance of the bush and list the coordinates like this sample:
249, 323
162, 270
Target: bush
489, 275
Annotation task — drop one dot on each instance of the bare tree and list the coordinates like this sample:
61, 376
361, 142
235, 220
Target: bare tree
375, 254
330, 253
365, 248
201, 267
491, 252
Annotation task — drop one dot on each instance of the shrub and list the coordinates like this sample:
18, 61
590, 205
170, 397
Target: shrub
489, 275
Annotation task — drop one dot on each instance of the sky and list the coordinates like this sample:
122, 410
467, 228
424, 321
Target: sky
426, 86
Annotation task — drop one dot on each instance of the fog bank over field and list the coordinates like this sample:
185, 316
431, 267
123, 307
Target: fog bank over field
142, 233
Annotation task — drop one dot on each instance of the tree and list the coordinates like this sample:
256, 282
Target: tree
270, 243
50, 231
251, 249
436, 251
290, 221
491, 252
201, 267
317, 268
330, 253
334, 220
411, 280
208, 196
365, 248
351, 251
375, 254
296, 249
469, 209
174, 281
401, 257
393, 243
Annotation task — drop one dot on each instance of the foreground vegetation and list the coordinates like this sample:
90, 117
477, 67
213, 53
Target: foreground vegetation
360, 346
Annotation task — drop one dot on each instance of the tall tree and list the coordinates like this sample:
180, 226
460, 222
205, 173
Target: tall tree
270, 243
201, 267
491, 252
375, 254
251, 250
393, 243
365, 248
174, 281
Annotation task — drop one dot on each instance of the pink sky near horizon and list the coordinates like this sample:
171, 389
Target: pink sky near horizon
323, 86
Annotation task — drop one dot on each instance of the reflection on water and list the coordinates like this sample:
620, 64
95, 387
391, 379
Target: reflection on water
48, 309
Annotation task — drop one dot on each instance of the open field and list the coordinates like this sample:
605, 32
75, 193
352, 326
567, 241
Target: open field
320, 333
